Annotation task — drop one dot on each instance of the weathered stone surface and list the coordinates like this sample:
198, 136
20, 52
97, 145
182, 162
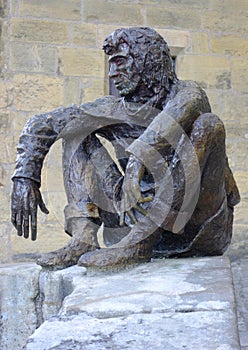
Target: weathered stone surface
19, 289
84, 34
39, 31
62, 9
27, 57
185, 17
112, 12
28, 296
81, 62
212, 72
35, 92
167, 304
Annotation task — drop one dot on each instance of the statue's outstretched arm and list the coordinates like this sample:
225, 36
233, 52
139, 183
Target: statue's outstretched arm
38, 135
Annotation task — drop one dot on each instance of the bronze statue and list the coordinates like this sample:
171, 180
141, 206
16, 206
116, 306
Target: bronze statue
170, 192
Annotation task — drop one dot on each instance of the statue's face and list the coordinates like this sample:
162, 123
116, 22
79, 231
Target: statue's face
123, 71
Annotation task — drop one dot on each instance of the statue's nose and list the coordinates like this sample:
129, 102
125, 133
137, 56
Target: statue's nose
113, 72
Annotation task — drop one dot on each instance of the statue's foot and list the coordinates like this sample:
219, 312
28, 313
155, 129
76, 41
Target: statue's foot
64, 257
115, 257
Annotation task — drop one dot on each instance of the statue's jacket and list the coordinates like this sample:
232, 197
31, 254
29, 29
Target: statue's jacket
150, 134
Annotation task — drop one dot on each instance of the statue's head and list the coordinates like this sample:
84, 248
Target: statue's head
139, 56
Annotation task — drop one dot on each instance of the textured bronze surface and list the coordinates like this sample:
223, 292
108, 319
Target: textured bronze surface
170, 192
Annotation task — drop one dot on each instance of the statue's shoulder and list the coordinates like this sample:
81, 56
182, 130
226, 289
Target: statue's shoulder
189, 86
189, 91
102, 106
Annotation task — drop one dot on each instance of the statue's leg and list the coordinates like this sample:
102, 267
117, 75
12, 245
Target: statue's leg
211, 223
82, 220
209, 229
208, 138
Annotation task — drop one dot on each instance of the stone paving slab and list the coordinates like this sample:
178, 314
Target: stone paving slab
166, 304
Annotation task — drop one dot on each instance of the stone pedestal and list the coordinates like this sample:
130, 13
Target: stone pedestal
165, 304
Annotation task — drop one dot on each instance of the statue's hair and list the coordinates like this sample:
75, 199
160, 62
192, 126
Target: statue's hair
151, 55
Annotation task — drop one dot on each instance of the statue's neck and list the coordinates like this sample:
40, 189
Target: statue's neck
143, 95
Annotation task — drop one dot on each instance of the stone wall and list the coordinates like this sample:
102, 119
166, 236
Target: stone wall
51, 56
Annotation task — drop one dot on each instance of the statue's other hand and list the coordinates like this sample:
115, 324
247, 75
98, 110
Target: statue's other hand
131, 191
26, 197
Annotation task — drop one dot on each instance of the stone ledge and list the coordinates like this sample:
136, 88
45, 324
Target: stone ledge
166, 304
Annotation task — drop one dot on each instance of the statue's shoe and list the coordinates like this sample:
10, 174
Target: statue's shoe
112, 258
66, 256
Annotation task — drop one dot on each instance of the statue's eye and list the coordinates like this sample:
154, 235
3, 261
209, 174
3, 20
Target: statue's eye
120, 60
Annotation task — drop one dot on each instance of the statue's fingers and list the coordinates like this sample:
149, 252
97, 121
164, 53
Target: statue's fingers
132, 217
145, 199
33, 225
19, 222
14, 219
26, 224
140, 210
42, 206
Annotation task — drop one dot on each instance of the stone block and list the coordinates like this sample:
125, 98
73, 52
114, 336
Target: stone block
5, 122
3, 42
227, 6
208, 71
59, 9
27, 57
3, 95
4, 205
37, 93
81, 62
229, 45
111, 12
240, 213
3, 152
237, 132
5, 256
3, 8
218, 21
241, 178
14, 7
19, 288
92, 89
200, 43
18, 120
238, 247
38, 31
242, 154
167, 304
239, 71
71, 91
178, 40
233, 106
179, 4
184, 17
231, 153
84, 34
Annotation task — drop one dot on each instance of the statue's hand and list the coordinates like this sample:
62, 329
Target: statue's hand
131, 193
26, 197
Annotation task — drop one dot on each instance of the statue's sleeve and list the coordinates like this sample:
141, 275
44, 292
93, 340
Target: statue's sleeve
38, 135
41, 131
177, 117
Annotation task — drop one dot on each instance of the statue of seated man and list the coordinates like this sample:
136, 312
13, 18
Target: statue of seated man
165, 191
